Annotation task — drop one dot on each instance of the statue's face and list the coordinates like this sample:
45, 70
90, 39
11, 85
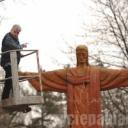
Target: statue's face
82, 57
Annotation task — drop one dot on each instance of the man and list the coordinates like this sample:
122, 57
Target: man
82, 85
10, 42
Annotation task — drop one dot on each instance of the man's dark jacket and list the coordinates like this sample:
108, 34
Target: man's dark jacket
9, 43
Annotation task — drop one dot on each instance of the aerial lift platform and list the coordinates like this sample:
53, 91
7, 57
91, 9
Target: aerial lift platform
17, 102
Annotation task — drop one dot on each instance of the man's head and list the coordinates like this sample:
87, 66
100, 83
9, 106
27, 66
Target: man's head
82, 55
15, 30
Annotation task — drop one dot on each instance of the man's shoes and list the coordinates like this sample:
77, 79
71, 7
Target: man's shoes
26, 110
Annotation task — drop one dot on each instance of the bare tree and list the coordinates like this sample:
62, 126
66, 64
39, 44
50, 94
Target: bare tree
111, 30
1, 0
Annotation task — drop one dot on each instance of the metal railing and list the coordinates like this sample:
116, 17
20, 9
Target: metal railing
14, 68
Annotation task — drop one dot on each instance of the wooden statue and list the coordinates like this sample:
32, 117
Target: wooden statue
82, 85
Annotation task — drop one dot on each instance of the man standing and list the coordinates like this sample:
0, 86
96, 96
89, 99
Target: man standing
82, 85
10, 42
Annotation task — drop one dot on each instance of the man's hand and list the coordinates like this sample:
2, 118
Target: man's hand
24, 45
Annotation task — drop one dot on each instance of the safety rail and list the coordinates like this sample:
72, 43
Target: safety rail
18, 103
22, 78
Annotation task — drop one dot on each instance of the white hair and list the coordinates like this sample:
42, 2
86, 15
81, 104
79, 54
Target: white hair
16, 27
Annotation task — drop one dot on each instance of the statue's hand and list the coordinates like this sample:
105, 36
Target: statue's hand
23, 73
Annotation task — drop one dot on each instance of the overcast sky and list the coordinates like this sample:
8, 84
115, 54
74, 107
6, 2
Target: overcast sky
46, 25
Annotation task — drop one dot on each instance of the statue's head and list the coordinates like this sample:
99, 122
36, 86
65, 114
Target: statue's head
82, 55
